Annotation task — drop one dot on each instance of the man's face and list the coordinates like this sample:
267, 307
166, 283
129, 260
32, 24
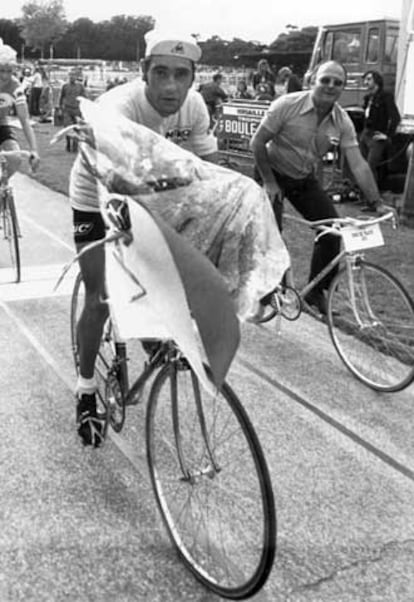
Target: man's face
329, 83
168, 80
6, 73
369, 82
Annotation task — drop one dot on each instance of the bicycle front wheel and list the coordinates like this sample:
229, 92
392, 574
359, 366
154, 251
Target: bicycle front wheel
9, 236
211, 483
371, 323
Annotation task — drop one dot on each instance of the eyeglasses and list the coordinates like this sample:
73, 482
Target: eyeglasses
2, 70
325, 81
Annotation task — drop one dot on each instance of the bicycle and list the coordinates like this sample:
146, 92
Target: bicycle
207, 468
370, 315
9, 225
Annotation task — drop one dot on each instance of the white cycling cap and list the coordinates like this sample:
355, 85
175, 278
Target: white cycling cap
172, 45
7, 54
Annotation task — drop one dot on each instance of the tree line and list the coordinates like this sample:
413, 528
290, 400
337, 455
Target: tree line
44, 32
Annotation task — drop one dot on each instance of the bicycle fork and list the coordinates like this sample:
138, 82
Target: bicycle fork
364, 315
211, 469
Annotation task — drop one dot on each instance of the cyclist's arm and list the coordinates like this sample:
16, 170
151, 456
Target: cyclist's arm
211, 157
261, 158
22, 113
202, 142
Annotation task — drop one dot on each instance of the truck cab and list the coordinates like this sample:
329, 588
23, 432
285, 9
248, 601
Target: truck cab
359, 46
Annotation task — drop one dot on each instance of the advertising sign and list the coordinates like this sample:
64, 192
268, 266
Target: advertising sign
238, 122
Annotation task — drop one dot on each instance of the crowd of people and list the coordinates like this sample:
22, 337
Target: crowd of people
296, 131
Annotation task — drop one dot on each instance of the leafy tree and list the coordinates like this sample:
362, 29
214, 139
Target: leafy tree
217, 51
120, 38
78, 40
10, 34
43, 23
295, 40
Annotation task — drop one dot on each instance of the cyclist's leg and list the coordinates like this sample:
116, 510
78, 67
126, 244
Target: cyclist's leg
314, 204
89, 227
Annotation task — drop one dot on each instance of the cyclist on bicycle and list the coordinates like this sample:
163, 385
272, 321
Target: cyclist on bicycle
164, 102
12, 96
297, 131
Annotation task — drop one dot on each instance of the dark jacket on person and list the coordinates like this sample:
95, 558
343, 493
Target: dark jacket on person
212, 93
294, 84
381, 112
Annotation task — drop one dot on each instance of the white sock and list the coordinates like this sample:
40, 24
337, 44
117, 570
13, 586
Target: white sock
86, 385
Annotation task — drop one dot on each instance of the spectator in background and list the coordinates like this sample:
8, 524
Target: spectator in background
46, 100
213, 95
264, 76
36, 91
380, 122
264, 92
26, 82
242, 92
286, 82
69, 105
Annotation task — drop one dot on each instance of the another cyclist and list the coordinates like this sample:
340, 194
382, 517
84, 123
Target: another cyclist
12, 96
164, 102
297, 131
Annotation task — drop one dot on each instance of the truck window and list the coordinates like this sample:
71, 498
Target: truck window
372, 55
327, 46
347, 46
391, 47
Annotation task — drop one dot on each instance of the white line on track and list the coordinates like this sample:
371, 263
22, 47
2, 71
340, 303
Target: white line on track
130, 452
48, 233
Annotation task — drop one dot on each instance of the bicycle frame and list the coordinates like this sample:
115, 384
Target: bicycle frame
171, 355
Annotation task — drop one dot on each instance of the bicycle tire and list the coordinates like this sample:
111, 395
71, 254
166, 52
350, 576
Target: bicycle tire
285, 302
111, 355
10, 232
379, 350
236, 531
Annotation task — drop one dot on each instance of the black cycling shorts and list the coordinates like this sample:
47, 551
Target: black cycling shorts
88, 226
6, 133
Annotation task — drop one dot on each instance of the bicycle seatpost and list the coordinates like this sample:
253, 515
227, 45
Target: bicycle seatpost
4, 176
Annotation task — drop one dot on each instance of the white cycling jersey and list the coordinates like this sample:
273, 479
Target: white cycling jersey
189, 128
11, 94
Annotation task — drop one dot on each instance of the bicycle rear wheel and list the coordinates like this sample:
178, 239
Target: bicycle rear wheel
374, 337
211, 483
9, 236
109, 365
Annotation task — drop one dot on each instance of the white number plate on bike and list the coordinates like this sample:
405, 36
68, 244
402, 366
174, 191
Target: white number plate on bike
356, 239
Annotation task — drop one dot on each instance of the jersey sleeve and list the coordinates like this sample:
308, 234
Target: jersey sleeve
348, 134
19, 97
276, 115
202, 140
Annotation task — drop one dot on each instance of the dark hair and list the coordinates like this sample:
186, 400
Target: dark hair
376, 76
319, 65
146, 63
217, 77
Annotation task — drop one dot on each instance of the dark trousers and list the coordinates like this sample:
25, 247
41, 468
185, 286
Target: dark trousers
35, 100
375, 152
312, 202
